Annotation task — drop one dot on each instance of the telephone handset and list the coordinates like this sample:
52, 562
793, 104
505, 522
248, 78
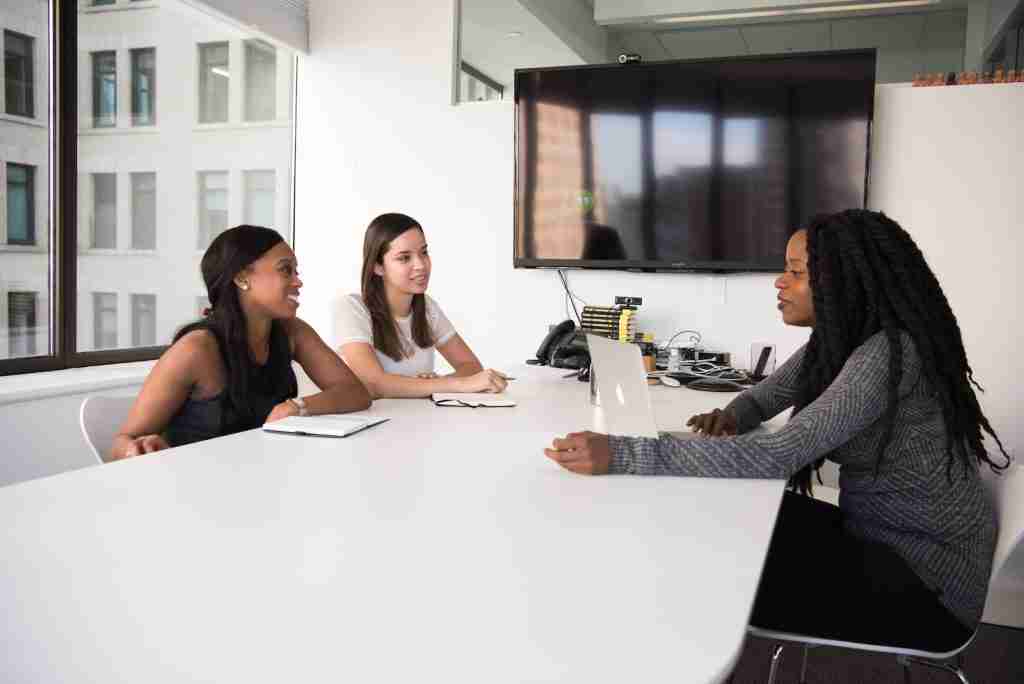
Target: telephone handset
562, 347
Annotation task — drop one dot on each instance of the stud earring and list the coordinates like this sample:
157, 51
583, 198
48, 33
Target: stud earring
244, 286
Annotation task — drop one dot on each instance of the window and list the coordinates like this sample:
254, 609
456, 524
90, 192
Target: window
21, 228
143, 211
213, 206
214, 79
144, 188
259, 198
104, 320
104, 202
144, 87
104, 89
19, 89
21, 324
260, 80
143, 320
476, 86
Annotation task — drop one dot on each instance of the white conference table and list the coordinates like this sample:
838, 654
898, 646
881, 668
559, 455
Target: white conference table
439, 546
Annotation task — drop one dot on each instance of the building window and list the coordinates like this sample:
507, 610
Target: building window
143, 211
259, 198
143, 87
104, 89
19, 88
104, 320
104, 216
21, 323
143, 320
213, 206
21, 224
260, 81
214, 79
100, 3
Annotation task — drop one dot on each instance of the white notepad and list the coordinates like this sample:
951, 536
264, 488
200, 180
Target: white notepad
472, 399
328, 425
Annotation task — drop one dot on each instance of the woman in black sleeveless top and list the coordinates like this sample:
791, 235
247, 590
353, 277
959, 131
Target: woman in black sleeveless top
232, 370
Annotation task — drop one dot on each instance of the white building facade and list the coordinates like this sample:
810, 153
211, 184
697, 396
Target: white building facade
185, 128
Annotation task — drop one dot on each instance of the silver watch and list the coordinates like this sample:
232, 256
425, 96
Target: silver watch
300, 404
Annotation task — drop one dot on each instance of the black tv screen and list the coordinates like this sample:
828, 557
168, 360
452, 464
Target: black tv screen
705, 165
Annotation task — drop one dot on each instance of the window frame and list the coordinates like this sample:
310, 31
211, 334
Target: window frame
134, 57
98, 117
59, 306
30, 57
30, 188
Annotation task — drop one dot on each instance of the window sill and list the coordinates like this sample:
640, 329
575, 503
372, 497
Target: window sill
119, 130
23, 249
34, 386
241, 125
97, 251
23, 120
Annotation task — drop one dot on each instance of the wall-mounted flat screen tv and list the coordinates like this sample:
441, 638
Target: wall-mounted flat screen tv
705, 165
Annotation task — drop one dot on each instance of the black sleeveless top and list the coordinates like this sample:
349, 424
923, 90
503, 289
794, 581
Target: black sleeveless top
269, 385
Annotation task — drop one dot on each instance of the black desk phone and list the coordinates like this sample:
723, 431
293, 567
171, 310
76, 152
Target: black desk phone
563, 347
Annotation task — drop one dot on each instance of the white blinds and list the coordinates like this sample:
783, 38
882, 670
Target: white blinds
286, 21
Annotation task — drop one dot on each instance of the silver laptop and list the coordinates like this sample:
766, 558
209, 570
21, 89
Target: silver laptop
621, 385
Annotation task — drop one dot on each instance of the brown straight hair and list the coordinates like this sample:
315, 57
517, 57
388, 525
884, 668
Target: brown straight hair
379, 234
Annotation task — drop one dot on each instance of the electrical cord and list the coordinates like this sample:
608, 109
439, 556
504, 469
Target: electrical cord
570, 296
695, 338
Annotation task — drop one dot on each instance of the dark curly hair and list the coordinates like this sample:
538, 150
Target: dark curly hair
867, 276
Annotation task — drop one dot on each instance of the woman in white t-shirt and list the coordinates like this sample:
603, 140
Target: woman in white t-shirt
388, 335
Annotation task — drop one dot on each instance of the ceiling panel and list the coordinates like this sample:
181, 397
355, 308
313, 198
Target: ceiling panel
802, 36
716, 42
645, 44
898, 31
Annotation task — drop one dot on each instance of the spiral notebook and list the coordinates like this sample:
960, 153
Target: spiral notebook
326, 426
472, 400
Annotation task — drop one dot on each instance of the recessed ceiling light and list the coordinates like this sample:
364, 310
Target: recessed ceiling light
514, 34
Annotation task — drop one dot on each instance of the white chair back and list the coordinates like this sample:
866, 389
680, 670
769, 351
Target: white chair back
100, 418
1007, 492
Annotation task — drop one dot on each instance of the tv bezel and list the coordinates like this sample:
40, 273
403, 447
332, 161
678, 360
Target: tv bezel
648, 266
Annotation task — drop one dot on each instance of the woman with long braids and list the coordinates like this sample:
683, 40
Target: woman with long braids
882, 388
232, 370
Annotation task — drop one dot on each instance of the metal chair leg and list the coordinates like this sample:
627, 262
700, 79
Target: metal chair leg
776, 657
803, 668
950, 668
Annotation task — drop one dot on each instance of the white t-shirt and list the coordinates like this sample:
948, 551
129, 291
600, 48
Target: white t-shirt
354, 325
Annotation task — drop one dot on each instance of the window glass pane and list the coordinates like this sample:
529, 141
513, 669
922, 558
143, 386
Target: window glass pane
20, 204
260, 80
143, 211
104, 313
151, 199
143, 320
104, 193
214, 79
19, 90
143, 87
25, 299
104, 88
259, 198
213, 206
22, 332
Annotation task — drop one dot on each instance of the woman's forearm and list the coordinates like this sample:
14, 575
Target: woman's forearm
341, 398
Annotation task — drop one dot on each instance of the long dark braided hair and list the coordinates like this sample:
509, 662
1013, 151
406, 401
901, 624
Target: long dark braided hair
866, 276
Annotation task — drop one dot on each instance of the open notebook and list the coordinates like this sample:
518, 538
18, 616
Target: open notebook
472, 399
327, 425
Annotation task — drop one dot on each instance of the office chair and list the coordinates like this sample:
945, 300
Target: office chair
1007, 494
100, 417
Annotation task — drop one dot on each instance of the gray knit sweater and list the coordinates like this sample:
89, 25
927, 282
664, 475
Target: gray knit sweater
945, 529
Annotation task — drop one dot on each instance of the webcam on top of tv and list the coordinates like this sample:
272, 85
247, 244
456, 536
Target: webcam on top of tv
629, 58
